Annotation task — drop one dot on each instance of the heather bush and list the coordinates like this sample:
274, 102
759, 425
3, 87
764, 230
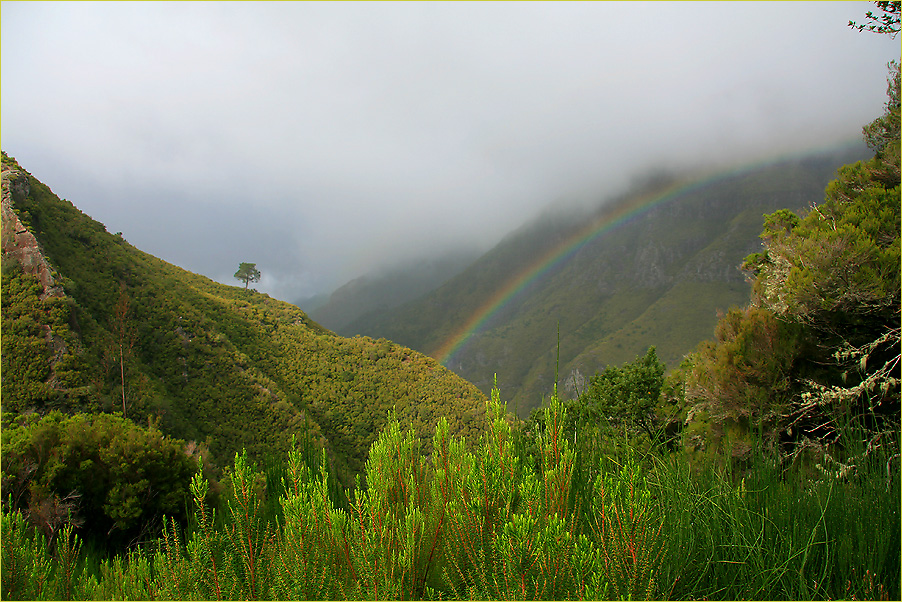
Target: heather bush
496, 523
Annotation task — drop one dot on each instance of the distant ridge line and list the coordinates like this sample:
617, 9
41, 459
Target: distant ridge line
610, 220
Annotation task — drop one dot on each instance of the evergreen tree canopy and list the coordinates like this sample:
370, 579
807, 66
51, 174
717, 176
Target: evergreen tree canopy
247, 273
840, 263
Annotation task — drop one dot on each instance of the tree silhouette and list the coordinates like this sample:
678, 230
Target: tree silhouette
248, 273
887, 23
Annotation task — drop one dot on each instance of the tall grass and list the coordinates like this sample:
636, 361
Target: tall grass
772, 532
494, 524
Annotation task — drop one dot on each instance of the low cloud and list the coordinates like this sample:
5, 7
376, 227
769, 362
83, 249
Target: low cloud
323, 141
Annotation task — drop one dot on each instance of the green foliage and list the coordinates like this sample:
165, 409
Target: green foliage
882, 134
314, 555
114, 479
26, 561
489, 524
25, 353
228, 564
746, 374
820, 342
42, 363
839, 265
247, 273
886, 23
626, 397
618, 414
842, 258
628, 527
779, 533
223, 368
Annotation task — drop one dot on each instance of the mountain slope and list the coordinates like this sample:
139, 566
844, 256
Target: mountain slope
386, 290
657, 278
225, 367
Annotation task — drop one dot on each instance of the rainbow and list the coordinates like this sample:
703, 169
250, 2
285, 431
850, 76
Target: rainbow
608, 221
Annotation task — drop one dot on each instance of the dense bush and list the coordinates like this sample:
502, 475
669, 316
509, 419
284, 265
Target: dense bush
113, 478
491, 524
41, 362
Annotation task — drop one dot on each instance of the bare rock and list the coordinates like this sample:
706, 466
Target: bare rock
19, 244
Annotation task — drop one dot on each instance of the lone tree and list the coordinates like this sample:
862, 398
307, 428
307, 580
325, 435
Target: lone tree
248, 272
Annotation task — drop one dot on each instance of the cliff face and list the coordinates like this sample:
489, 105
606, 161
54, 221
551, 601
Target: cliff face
19, 244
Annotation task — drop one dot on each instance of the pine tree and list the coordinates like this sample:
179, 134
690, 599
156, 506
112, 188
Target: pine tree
247, 273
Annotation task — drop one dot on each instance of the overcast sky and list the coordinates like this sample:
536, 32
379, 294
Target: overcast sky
323, 141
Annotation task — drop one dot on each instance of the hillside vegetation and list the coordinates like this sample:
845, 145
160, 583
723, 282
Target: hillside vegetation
658, 279
113, 329
443, 522
764, 466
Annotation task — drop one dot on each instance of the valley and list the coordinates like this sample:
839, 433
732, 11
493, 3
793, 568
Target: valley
166, 436
653, 267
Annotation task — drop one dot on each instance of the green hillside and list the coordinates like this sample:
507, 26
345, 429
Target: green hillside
658, 279
218, 365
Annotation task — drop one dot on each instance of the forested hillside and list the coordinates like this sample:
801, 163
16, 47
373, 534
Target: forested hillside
658, 278
92, 324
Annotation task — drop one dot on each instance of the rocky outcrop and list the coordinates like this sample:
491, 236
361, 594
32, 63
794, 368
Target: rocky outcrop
19, 244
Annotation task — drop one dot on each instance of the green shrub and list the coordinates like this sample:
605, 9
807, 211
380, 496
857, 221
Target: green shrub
490, 524
111, 477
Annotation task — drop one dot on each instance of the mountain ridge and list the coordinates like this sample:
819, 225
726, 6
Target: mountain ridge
618, 293
386, 289
219, 366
